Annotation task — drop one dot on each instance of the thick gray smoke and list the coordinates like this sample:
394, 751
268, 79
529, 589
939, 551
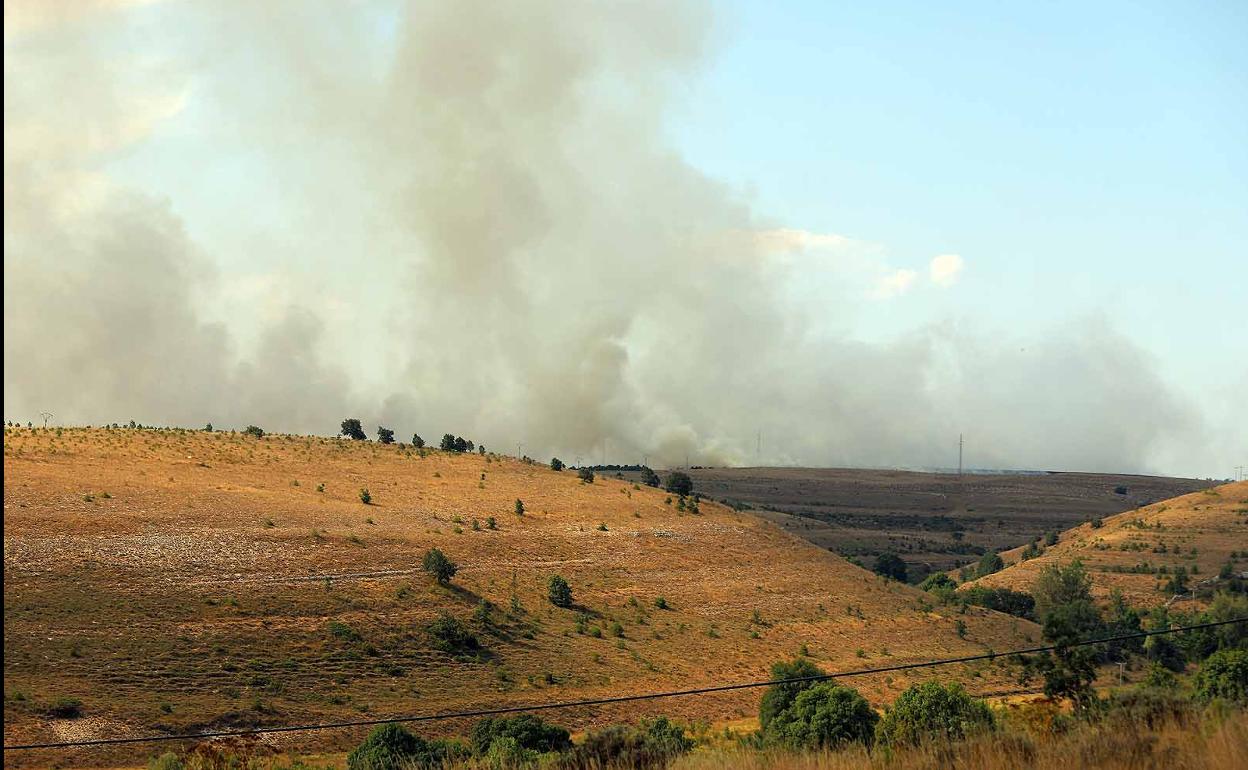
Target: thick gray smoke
485, 233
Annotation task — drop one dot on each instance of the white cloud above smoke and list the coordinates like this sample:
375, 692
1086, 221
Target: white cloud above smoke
506, 248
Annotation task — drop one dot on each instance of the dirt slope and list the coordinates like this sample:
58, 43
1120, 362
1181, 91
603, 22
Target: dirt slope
1198, 532
173, 580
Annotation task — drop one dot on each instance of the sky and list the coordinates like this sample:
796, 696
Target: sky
643, 230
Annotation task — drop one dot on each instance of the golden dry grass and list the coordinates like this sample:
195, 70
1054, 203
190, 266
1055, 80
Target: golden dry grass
1198, 531
184, 580
1212, 744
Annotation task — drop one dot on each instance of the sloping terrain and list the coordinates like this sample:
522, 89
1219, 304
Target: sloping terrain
935, 521
175, 580
1139, 551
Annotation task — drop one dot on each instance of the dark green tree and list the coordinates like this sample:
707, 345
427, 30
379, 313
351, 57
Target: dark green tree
559, 592
649, 477
556, 464
779, 697
352, 427
824, 716
254, 430
439, 565
679, 483
448, 443
385, 435
932, 711
417, 441
586, 475
890, 565
1223, 675
989, 563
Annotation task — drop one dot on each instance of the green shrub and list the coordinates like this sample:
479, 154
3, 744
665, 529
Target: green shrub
779, 697
253, 430
439, 566
1223, 675
937, 580
366, 497
449, 635
586, 475
166, 761
679, 484
65, 708
530, 733
1005, 600
556, 464
932, 711
393, 747
823, 716
652, 744
559, 592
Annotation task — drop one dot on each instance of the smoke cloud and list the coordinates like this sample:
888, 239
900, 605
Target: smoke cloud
480, 228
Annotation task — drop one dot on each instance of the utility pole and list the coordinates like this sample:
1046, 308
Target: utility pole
46, 416
518, 448
1239, 473
959, 455
758, 448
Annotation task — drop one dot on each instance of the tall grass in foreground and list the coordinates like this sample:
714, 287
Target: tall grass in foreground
1183, 743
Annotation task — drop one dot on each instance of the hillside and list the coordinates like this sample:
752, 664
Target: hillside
1199, 532
935, 521
175, 580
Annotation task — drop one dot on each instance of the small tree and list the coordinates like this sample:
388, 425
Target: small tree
989, 563
824, 716
679, 483
649, 477
932, 711
519, 507
437, 564
779, 697
890, 565
556, 464
559, 592
254, 430
365, 497
352, 427
1061, 584
448, 443
586, 475
417, 441
1224, 675
385, 435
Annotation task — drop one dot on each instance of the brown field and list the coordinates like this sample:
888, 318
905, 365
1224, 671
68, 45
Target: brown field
1198, 531
934, 521
181, 580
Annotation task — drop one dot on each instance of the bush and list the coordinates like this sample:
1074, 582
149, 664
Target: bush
166, 761
254, 430
417, 441
366, 497
652, 744
556, 464
353, 428
385, 435
586, 475
1223, 675
1016, 603
559, 592
451, 636
824, 716
392, 747
439, 565
932, 711
679, 483
519, 507
649, 477
65, 708
890, 565
528, 732
937, 580
989, 563
779, 697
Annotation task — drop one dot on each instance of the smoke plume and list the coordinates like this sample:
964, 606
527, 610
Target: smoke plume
466, 217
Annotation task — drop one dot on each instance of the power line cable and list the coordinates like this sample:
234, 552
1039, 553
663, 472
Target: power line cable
445, 715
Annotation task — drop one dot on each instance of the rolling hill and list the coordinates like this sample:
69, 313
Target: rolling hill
1138, 551
172, 580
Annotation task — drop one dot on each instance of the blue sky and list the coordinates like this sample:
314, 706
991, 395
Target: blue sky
1081, 157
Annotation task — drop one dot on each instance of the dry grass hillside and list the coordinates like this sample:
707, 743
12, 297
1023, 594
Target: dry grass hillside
182, 580
1138, 551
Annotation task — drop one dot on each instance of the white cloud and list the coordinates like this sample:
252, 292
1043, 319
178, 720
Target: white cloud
945, 268
894, 283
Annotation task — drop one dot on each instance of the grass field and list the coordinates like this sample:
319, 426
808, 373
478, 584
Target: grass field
183, 580
1139, 550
